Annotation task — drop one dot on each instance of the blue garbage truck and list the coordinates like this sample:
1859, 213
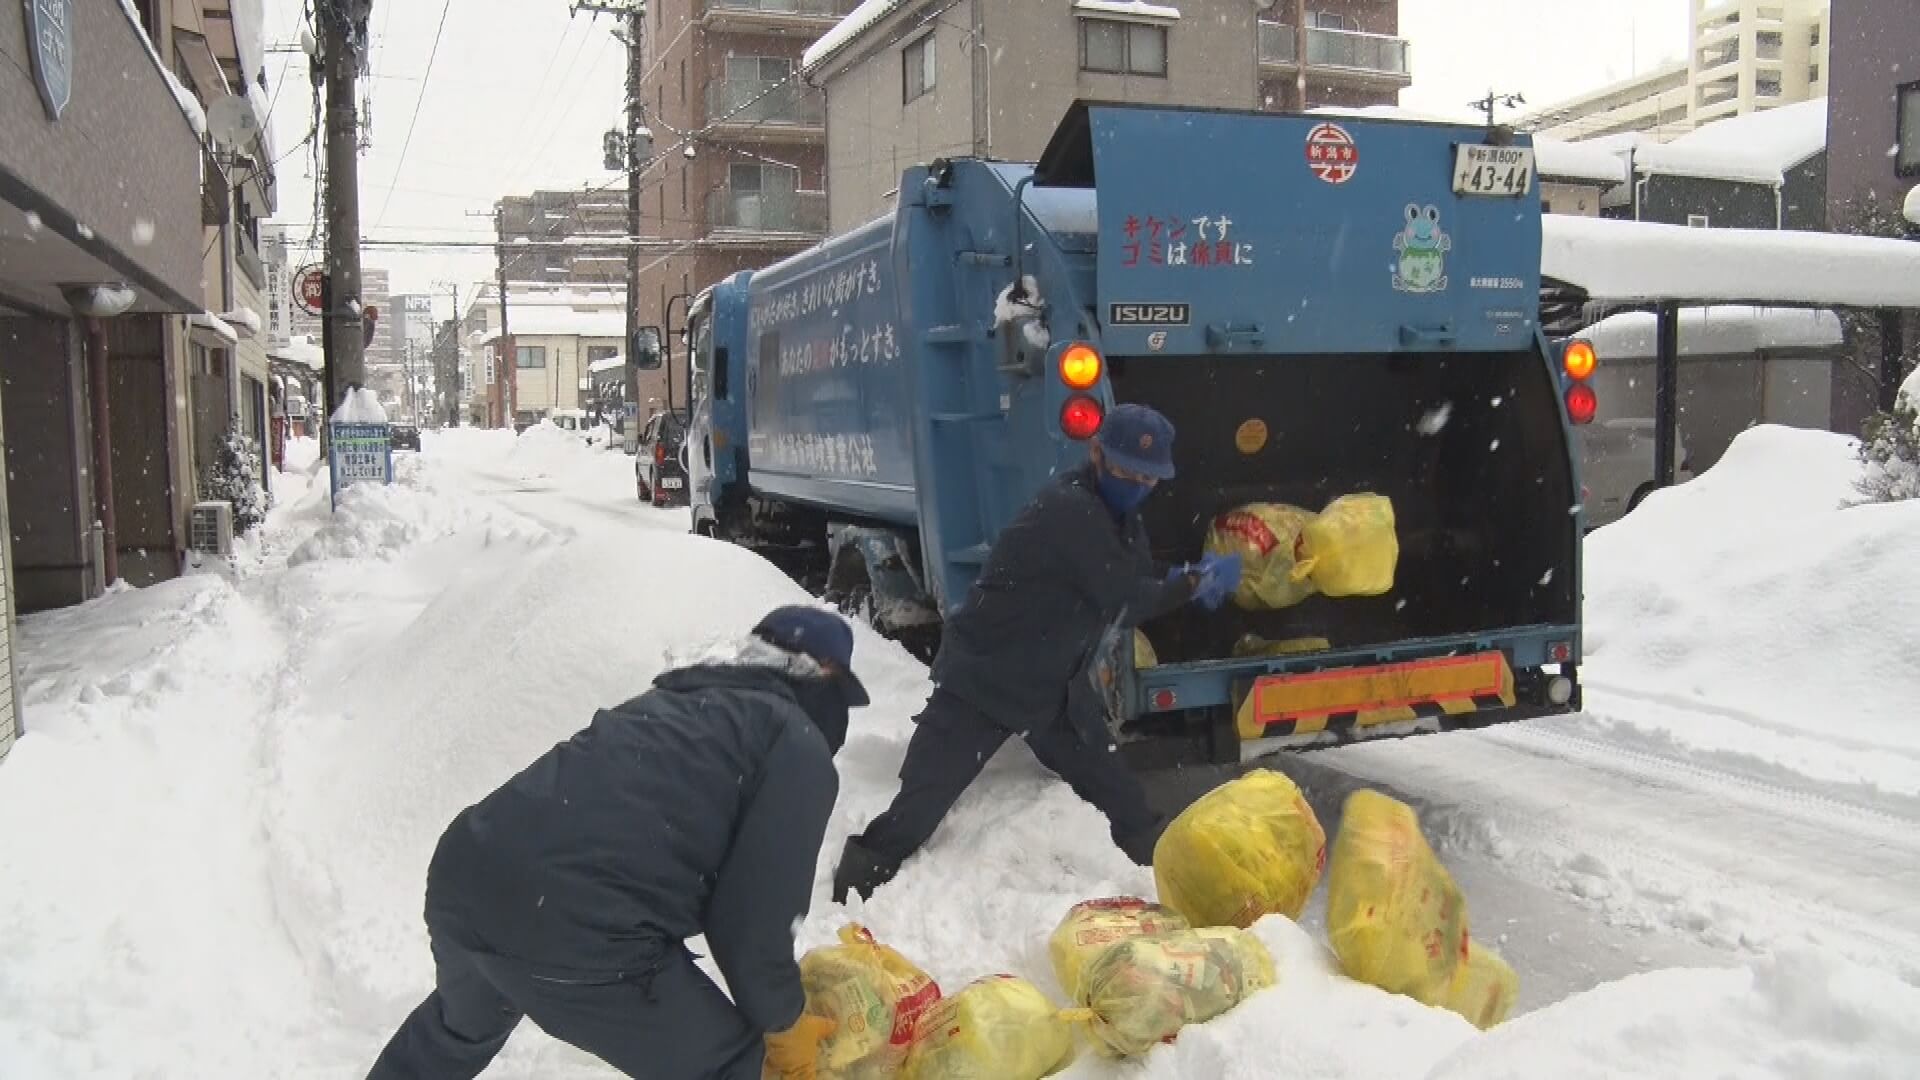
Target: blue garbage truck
1321, 305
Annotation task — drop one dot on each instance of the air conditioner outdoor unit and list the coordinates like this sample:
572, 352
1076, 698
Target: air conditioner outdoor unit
212, 528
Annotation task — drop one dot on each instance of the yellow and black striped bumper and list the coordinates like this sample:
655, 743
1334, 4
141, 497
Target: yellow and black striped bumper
1360, 697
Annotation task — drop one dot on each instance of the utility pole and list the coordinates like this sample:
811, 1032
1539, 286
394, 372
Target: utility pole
505, 376
447, 373
343, 45
635, 14
1495, 101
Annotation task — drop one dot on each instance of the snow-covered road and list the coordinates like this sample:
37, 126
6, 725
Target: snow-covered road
231, 784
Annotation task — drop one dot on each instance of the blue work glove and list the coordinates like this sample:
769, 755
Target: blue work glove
1219, 577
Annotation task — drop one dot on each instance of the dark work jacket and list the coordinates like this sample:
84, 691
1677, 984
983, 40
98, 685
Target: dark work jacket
698, 807
1058, 576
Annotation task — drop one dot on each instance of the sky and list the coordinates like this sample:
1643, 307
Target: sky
519, 94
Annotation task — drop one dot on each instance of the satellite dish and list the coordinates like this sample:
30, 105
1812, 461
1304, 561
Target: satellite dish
231, 122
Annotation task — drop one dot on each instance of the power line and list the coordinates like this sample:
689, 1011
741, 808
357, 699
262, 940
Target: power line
417, 102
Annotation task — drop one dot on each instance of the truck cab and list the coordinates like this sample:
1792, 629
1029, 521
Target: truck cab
1352, 307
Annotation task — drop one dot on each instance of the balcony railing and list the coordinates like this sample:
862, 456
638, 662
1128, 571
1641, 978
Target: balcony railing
768, 211
741, 101
1278, 45
831, 9
1356, 51
1348, 49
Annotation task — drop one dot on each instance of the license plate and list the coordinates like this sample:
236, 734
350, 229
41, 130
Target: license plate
672, 483
1493, 171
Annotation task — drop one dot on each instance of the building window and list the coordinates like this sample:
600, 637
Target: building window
758, 69
1330, 20
1766, 85
530, 356
917, 63
1813, 73
683, 82
1906, 155
1696, 221
1122, 48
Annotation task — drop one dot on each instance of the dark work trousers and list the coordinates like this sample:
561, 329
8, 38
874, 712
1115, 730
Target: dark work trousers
668, 1024
952, 741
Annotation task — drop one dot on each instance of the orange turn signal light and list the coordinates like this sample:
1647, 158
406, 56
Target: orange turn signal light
1081, 366
1579, 360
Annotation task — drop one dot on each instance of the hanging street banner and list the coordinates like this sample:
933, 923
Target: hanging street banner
359, 453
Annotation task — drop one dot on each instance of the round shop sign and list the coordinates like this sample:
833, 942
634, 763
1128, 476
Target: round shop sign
1332, 154
310, 288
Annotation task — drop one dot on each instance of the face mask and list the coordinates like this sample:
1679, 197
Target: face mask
1122, 497
826, 706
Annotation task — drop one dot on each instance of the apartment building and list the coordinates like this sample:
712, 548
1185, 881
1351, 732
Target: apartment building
1743, 56
907, 81
739, 141
564, 215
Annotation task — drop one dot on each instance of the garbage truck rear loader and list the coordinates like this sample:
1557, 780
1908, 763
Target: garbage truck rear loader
1320, 307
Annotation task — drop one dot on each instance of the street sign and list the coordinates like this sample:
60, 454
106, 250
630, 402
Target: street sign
50, 26
310, 288
359, 453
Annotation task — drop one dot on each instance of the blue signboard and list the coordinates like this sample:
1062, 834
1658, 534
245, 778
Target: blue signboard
1326, 235
50, 30
359, 453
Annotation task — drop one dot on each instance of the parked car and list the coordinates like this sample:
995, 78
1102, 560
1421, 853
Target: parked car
405, 436
1616, 462
659, 476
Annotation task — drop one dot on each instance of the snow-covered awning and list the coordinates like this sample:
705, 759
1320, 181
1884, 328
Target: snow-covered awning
211, 330
244, 321
1640, 261
1126, 9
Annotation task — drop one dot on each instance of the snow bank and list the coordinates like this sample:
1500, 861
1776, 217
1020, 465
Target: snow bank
1755, 595
384, 521
1794, 1015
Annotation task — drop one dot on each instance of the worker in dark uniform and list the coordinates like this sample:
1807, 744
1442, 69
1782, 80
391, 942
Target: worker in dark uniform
697, 808
1015, 655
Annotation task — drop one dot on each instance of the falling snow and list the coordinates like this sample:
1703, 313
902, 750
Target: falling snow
142, 232
1436, 419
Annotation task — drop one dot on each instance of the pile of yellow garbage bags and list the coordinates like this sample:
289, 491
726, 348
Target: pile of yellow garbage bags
1137, 972
1288, 554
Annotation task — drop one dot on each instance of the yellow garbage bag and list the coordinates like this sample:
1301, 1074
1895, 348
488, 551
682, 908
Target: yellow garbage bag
997, 1028
1484, 988
1095, 926
1350, 549
874, 995
1263, 535
1143, 655
1394, 916
1255, 645
1247, 849
1141, 992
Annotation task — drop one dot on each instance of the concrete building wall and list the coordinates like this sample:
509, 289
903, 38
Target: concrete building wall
1578, 200
873, 133
1875, 51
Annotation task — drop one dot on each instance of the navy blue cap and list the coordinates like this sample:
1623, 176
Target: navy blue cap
1139, 440
820, 635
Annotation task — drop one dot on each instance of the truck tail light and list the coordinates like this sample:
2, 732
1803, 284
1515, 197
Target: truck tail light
1582, 403
1081, 417
659, 453
1579, 360
1164, 700
1081, 366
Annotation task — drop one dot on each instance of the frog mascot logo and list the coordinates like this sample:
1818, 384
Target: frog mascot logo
1423, 247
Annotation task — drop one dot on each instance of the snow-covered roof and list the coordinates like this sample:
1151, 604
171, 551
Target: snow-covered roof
1578, 161
1637, 260
304, 350
607, 364
1393, 112
847, 29
245, 317
1723, 330
552, 322
1138, 9
1756, 148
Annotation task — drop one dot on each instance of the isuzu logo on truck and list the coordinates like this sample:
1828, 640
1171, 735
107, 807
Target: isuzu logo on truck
1147, 314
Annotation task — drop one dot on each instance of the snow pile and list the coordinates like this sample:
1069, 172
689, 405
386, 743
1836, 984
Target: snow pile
1798, 1014
361, 406
383, 521
1757, 594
